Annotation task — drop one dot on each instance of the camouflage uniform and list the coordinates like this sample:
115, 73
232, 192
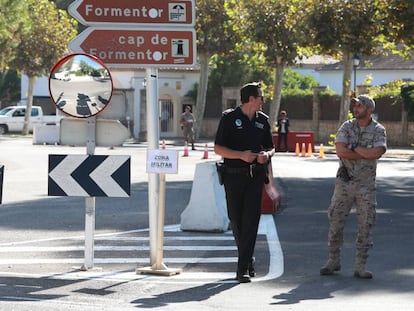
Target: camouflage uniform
357, 186
187, 121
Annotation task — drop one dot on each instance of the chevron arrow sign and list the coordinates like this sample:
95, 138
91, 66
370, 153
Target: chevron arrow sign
89, 175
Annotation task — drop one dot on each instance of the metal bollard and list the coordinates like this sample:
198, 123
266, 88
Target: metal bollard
1, 181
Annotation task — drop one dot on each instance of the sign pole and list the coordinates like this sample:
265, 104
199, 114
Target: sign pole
1, 181
156, 197
160, 267
153, 143
90, 202
151, 78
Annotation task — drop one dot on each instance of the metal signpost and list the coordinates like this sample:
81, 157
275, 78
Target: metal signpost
1, 182
86, 175
160, 162
148, 34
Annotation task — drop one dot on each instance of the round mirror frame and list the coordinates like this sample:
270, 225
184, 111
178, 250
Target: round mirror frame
80, 85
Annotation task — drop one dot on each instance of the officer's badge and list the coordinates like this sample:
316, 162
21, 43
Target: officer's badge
259, 125
238, 122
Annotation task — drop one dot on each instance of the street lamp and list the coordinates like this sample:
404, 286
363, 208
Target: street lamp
356, 60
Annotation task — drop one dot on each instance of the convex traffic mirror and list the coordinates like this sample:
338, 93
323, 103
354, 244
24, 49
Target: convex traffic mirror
80, 85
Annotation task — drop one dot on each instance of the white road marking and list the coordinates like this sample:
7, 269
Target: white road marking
266, 227
43, 249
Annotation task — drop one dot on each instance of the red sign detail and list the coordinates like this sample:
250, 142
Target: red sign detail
138, 47
95, 12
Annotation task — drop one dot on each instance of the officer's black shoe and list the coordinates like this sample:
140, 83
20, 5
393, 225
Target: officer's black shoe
243, 277
252, 272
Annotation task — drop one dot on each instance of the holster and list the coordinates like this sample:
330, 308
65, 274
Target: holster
266, 168
220, 171
343, 174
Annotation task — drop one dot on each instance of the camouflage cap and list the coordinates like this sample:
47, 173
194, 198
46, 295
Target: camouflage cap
365, 100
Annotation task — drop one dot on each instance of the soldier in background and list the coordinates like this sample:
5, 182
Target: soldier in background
187, 121
359, 143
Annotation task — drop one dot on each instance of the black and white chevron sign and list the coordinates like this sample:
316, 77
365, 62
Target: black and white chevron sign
89, 175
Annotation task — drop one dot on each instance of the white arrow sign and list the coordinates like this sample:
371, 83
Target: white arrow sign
102, 175
61, 175
89, 175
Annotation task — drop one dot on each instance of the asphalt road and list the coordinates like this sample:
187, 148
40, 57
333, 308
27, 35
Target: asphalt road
42, 238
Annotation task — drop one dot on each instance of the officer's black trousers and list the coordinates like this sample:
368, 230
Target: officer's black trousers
244, 200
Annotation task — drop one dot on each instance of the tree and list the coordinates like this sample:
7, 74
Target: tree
45, 43
215, 35
13, 23
342, 28
233, 71
407, 94
400, 22
9, 87
276, 25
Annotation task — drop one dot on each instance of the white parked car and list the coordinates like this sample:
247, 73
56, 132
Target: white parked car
12, 118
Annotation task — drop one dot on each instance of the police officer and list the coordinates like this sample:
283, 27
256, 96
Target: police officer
359, 143
245, 142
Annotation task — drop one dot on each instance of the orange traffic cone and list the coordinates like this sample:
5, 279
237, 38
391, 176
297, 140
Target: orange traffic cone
310, 153
205, 155
321, 152
185, 150
297, 149
163, 144
303, 154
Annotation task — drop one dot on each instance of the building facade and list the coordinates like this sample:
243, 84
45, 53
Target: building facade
128, 102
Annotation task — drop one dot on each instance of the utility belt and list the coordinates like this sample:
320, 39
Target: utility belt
245, 170
251, 170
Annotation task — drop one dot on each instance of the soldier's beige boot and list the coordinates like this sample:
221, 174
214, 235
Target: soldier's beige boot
333, 264
360, 262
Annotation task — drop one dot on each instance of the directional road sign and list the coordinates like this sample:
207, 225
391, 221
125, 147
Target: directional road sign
141, 48
89, 175
134, 12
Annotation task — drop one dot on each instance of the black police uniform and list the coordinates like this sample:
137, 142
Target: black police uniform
243, 182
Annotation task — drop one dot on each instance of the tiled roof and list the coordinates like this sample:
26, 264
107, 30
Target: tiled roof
377, 62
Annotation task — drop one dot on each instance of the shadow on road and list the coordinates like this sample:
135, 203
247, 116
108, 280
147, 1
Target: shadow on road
198, 293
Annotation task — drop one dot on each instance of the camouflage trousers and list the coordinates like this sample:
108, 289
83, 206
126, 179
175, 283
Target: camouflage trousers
188, 133
344, 197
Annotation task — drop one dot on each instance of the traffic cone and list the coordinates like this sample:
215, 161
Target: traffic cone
310, 153
185, 150
321, 152
163, 144
297, 149
303, 154
205, 155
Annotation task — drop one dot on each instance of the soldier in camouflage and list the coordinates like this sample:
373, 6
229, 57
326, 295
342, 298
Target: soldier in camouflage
359, 143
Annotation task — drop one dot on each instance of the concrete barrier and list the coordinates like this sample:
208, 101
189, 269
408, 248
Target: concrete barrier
207, 209
46, 134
